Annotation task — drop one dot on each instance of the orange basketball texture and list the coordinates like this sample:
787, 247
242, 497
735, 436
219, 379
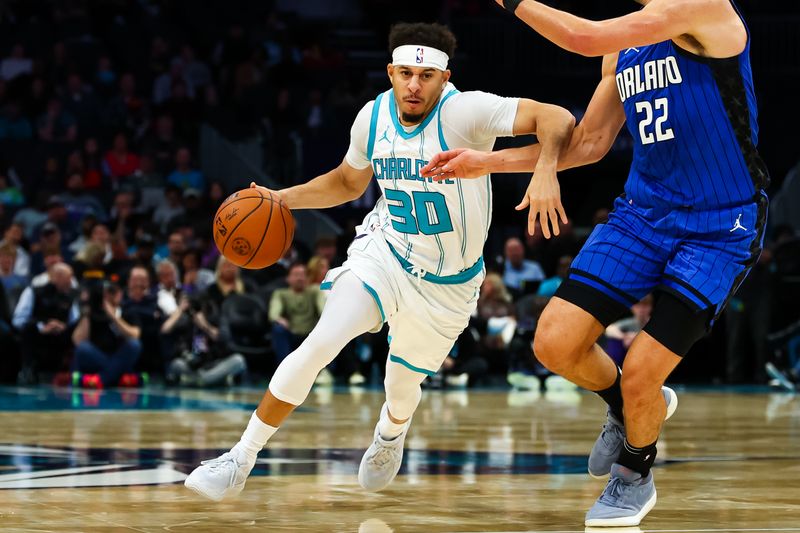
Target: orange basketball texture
253, 228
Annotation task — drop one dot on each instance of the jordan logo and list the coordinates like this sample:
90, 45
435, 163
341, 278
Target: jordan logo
385, 136
738, 224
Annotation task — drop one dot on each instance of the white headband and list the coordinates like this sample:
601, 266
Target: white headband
411, 55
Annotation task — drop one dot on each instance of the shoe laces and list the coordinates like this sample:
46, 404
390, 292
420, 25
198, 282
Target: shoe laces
225, 463
385, 455
612, 433
615, 491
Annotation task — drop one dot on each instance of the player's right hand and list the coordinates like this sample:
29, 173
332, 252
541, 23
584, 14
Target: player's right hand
458, 163
254, 185
544, 198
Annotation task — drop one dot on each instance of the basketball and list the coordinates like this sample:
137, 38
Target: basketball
253, 228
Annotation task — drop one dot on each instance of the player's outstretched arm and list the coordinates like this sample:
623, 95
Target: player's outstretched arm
658, 21
340, 185
589, 142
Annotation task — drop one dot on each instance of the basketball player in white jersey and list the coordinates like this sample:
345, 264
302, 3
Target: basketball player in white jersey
416, 261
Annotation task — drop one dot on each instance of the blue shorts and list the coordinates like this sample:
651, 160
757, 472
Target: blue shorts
701, 257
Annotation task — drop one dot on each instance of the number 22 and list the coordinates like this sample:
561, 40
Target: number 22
661, 134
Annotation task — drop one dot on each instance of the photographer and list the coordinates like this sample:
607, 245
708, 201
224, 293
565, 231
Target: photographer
106, 339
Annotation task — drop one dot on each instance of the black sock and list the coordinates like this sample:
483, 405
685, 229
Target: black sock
613, 397
638, 459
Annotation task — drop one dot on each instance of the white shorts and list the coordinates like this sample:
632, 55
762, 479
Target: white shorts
425, 317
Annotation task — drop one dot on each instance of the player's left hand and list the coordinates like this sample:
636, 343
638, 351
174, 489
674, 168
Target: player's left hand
544, 199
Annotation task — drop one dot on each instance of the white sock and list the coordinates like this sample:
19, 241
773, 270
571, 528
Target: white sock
253, 439
387, 429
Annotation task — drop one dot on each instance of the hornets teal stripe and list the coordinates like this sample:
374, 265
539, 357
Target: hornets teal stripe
455, 279
463, 217
442, 142
373, 125
395, 359
374, 295
325, 285
488, 204
436, 236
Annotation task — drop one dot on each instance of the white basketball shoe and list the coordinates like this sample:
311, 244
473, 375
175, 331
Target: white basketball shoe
383, 458
220, 478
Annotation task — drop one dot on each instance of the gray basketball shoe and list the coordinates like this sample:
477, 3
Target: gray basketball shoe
627, 498
608, 445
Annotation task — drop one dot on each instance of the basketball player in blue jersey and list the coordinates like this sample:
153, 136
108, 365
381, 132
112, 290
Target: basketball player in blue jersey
416, 261
689, 227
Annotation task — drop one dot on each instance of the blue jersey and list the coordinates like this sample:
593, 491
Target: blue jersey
694, 124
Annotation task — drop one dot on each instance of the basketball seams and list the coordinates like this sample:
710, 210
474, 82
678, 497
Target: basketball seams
233, 231
266, 229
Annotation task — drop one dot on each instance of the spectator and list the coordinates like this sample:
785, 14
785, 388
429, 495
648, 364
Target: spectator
195, 278
58, 215
120, 163
8, 340
141, 305
15, 126
93, 165
121, 263
184, 176
294, 311
80, 102
90, 261
149, 183
518, 271
170, 207
78, 202
127, 110
13, 237
326, 247
45, 317
550, 285
105, 77
13, 283
106, 338
169, 289
87, 225
174, 249
195, 72
318, 268
620, 334
163, 144
51, 258
164, 84
16, 64
10, 193
49, 239
57, 125
495, 321
207, 343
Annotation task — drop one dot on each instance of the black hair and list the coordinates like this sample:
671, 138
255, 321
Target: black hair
423, 34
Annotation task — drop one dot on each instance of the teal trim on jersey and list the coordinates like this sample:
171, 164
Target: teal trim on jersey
456, 279
373, 126
440, 264
442, 142
419, 128
463, 217
488, 204
375, 297
400, 360
325, 285
388, 339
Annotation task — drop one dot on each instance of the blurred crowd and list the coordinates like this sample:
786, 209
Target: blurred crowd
109, 273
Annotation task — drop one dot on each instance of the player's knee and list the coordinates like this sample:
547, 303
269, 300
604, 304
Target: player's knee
638, 383
553, 349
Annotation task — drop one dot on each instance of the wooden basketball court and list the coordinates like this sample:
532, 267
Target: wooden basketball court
475, 461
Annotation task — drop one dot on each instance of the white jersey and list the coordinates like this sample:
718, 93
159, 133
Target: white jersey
435, 227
